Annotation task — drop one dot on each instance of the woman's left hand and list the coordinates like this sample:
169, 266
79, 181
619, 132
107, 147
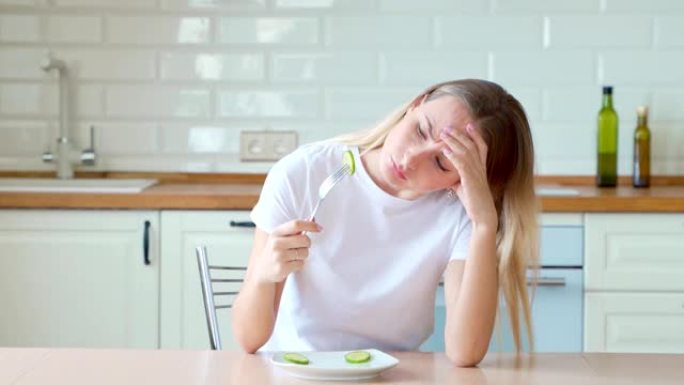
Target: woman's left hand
467, 151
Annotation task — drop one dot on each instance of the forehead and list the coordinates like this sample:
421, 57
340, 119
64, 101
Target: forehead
446, 111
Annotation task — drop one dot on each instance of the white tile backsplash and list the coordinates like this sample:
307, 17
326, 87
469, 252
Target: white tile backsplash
19, 28
135, 101
570, 104
169, 84
599, 31
399, 67
23, 137
489, 32
126, 138
378, 31
341, 67
213, 4
73, 29
645, 68
157, 30
198, 138
111, 64
125, 4
368, 104
28, 99
640, 6
434, 6
536, 6
669, 105
268, 30
669, 32
270, 104
20, 2
325, 4
543, 69
234, 67
21, 63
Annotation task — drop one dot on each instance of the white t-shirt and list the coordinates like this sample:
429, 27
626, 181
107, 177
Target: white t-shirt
372, 273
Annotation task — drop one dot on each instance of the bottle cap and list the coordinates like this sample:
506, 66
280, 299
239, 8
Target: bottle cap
642, 111
608, 90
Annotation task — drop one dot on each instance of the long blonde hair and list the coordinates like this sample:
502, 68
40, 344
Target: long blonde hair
510, 174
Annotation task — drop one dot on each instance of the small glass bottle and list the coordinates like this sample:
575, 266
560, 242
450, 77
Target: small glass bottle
641, 176
607, 142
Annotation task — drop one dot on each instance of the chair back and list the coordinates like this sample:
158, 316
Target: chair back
209, 294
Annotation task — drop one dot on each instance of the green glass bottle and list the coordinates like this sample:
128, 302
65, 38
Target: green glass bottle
607, 142
641, 176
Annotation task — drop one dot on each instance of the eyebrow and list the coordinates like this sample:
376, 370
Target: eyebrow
430, 126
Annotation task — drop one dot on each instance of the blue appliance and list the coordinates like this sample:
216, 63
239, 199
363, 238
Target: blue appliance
557, 304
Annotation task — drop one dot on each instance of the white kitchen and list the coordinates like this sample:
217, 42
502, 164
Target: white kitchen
141, 142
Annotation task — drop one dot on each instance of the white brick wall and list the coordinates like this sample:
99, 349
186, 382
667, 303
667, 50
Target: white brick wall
169, 84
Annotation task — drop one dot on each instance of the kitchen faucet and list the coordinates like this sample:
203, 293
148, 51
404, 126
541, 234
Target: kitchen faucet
64, 156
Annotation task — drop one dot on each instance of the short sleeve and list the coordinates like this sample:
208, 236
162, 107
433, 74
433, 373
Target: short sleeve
276, 204
461, 240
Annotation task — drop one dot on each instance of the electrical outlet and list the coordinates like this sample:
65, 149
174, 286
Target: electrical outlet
266, 145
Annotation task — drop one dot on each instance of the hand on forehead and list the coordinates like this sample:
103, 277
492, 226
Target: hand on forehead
445, 112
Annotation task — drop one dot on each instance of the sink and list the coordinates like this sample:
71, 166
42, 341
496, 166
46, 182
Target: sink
116, 186
555, 191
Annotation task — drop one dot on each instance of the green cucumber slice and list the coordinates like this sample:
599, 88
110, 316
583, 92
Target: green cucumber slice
348, 159
296, 358
357, 357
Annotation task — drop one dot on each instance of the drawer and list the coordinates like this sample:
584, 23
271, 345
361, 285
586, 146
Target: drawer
634, 322
561, 245
634, 252
561, 239
556, 316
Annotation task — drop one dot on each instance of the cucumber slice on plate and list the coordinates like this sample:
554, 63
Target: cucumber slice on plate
348, 160
357, 357
296, 358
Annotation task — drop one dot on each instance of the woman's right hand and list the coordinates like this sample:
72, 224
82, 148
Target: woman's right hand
286, 250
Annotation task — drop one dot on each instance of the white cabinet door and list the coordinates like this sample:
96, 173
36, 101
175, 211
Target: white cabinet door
635, 252
183, 322
635, 322
71, 278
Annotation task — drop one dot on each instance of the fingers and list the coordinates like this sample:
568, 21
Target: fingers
460, 147
478, 139
297, 255
295, 227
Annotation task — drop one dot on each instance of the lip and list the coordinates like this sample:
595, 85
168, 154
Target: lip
397, 172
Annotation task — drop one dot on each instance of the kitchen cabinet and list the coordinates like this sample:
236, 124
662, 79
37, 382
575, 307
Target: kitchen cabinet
634, 295
635, 322
79, 278
183, 323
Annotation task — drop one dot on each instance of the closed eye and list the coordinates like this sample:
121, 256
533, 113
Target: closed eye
420, 132
439, 165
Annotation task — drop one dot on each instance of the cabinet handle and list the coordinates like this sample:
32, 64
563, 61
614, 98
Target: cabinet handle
146, 243
546, 281
242, 224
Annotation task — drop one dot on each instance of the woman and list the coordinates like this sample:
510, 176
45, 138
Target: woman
443, 189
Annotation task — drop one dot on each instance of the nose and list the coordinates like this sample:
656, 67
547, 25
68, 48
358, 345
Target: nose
414, 156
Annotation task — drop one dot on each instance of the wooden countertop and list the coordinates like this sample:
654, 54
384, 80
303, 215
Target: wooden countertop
240, 192
170, 367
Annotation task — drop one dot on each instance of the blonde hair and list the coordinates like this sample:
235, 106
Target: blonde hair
503, 124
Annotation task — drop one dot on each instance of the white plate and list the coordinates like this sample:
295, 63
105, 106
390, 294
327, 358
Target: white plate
331, 366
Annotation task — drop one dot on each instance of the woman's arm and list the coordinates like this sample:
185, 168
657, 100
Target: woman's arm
272, 259
470, 290
471, 286
254, 309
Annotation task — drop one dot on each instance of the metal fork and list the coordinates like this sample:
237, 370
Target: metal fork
327, 185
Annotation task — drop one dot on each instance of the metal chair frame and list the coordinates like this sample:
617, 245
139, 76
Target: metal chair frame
208, 293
